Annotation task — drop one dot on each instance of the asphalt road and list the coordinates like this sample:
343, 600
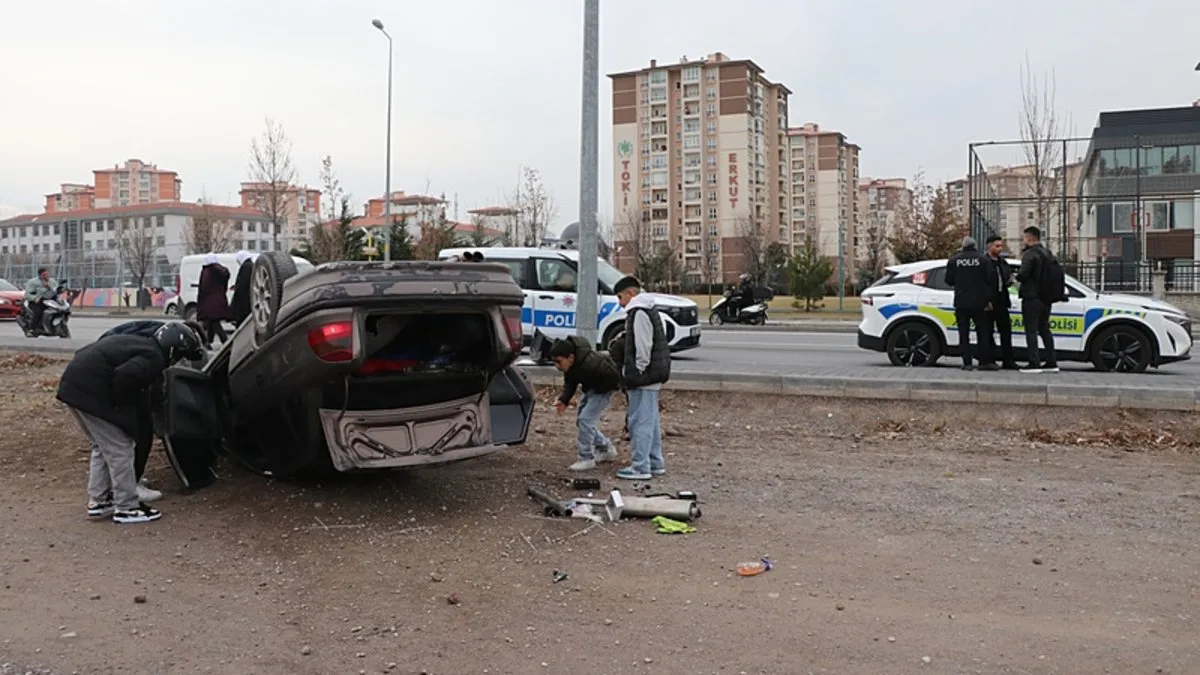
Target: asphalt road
728, 351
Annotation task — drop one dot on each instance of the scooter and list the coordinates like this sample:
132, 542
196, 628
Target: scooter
56, 313
723, 312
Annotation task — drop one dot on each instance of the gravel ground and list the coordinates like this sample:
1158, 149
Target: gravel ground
906, 539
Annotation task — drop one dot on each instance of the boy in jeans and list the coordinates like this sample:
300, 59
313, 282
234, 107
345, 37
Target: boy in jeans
597, 375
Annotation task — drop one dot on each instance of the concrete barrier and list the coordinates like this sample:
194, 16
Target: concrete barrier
899, 385
1042, 392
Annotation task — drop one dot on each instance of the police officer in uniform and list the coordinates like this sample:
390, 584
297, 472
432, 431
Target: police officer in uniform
972, 276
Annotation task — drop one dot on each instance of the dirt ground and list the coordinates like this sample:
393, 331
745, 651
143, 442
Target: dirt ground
906, 538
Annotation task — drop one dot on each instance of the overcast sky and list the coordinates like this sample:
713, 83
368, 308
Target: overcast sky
482, 88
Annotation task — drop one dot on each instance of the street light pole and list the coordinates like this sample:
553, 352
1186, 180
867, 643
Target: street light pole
841, 266
587, 311
387, 181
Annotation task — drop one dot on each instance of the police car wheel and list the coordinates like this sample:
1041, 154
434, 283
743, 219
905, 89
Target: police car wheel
913, 344
1122, 349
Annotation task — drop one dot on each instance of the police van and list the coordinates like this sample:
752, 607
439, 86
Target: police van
909, 315
548, 278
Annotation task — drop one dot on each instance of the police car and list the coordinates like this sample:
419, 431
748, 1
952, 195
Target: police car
548, 275
909, 314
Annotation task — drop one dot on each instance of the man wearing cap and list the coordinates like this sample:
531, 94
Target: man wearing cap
972, 276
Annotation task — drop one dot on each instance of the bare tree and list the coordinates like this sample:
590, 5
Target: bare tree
633, 241
875, 249
1041, 132
535, 208
480, 235
710, 259
753, 244
272, 170
137, 245
208, 230
332, 192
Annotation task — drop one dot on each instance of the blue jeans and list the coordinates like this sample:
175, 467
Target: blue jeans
645, 431
591, 407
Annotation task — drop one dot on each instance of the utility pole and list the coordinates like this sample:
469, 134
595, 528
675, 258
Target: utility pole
387, 187
841, 266
587, 312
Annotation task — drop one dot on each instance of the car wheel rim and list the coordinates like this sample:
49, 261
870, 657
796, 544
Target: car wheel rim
1121, 352
913, 347
262, 297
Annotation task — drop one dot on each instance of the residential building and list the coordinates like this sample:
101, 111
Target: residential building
301, 209
1141, 186
90, 243
412, 210
1005, 201
504, 219
882, 204
699, 163
956, 193
824, 190
135, 182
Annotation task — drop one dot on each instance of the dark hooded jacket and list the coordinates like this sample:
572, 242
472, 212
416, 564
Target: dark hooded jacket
594, 371
110, 378
239, 307
212, 300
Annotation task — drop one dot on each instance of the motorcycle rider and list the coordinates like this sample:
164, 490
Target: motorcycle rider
37, 289
744, 295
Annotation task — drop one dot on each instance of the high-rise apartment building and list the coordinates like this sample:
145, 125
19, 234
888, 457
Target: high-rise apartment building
301, 209
699, 163
134, 183
824, 190
882, 203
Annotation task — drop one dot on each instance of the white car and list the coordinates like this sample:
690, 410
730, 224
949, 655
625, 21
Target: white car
909, 314
547, 277
187, 282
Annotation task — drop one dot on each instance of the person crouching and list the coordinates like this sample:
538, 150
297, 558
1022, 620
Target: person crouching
104, 386
595, 373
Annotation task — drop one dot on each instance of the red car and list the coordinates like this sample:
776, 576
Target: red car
10, 300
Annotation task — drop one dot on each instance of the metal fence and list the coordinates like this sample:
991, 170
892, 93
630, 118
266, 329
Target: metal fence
93, 269
1119, 276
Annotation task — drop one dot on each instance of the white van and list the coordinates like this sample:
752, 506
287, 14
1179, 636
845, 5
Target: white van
548, 278
188, 280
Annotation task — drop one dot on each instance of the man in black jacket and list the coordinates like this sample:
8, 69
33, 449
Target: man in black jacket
1001, 303
1035, 312
594, 372
104, 385
973, 278
646, 366
145, 431
239, 306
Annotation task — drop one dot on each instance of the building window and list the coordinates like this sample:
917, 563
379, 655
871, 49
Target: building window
160, 241
87, 227
711, 109
160, 222
712, 178
658, 77
691, 74
712, 212
250, 244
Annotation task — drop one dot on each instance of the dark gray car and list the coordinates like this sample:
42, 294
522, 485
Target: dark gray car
356, 365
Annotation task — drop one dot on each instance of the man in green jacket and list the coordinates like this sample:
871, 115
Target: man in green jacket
39, 288
594, 372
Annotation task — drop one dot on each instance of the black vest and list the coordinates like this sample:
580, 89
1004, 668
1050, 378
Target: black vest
659, 370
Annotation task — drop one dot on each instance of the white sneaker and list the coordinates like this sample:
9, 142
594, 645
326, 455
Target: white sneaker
146, 494
583, 465
605, 456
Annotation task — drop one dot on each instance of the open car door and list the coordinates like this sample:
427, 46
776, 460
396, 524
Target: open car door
190, 426
511, 396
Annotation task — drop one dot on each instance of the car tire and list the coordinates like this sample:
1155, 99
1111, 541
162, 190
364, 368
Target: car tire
715, 319
615, 332
1122, 349
266, 290
913, 344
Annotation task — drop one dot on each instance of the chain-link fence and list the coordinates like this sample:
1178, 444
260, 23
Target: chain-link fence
94, 269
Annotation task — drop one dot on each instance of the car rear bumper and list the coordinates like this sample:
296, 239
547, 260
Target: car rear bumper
870, 342
409, 437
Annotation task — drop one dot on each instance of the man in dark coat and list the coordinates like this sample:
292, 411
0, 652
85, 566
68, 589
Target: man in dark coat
1001, 303
594, 372
646, 366
103, 386
239, 307
972, 276
144, 438
212, 299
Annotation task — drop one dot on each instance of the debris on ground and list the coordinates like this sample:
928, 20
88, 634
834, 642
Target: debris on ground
26, 361
754, 568
1129, 436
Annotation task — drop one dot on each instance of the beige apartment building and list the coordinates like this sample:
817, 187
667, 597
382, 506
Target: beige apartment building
824, 194
302, 209
882, 203
135, 182
699, 163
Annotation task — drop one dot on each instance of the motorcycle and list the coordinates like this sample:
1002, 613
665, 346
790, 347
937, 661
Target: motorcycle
723, 311
56, 313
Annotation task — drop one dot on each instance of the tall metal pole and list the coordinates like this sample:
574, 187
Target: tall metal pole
587, 312
387, 180
841, 266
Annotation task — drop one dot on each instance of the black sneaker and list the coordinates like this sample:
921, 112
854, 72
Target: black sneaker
100, 509
968, 366
144, 513
989, 366
1011, 365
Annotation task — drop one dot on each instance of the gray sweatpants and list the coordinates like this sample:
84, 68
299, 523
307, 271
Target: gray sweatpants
112, 468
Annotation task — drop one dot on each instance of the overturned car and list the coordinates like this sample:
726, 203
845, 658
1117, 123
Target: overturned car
355, 366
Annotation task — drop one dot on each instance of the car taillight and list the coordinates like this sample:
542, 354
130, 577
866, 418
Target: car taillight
512, 324
333, 342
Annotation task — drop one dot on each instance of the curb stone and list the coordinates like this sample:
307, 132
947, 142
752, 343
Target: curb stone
924, 389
